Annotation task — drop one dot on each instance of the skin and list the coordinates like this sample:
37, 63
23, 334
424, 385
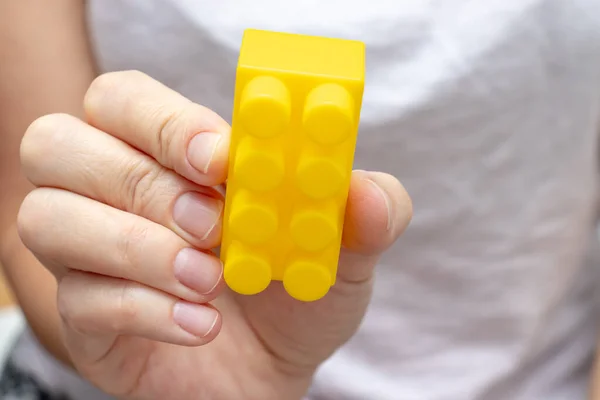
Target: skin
100, 218
35, 33
109, 253
595, 381
104, 221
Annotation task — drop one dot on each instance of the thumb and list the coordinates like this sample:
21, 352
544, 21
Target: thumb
378, 211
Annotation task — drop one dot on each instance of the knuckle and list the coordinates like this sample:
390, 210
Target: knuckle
166, 128
42, 135
115, 316
139, 182
131, 243
32, 215
126, 308
66, 301
101, 85
109, 83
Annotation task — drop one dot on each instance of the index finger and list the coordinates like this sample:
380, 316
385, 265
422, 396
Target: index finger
181, 135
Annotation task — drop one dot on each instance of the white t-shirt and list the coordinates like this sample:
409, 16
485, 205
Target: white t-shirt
489, 113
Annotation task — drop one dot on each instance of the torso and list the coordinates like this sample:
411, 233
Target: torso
488, 113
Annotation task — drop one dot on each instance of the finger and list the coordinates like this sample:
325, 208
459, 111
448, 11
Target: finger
63, 152
179, 134
99, 306
378, 211
74, 232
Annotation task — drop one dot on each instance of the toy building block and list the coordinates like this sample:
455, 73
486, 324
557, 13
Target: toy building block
295, 123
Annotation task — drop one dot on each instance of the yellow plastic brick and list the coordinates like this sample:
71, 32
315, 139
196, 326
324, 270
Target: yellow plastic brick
295, 122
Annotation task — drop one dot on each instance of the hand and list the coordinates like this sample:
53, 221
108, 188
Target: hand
125, 215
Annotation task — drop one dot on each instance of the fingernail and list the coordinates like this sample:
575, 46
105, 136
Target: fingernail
198, 271
196, 319
197, 214
386, 200
201, 150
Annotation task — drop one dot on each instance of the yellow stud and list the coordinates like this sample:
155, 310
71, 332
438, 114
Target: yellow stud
257, 166
251, 221
328, 114
265, 107
246, 273
319, 177
307, 281
313, 230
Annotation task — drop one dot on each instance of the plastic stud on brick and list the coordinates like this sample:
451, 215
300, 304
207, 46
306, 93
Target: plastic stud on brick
295, 122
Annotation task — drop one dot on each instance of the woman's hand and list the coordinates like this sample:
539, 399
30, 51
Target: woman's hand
125, 215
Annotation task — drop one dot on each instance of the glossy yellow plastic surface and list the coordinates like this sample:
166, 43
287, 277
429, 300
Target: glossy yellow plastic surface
295, 122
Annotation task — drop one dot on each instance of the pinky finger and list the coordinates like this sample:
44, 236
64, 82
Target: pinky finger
99, 307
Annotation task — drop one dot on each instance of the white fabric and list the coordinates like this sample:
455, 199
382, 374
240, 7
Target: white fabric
32, 359
488, 112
